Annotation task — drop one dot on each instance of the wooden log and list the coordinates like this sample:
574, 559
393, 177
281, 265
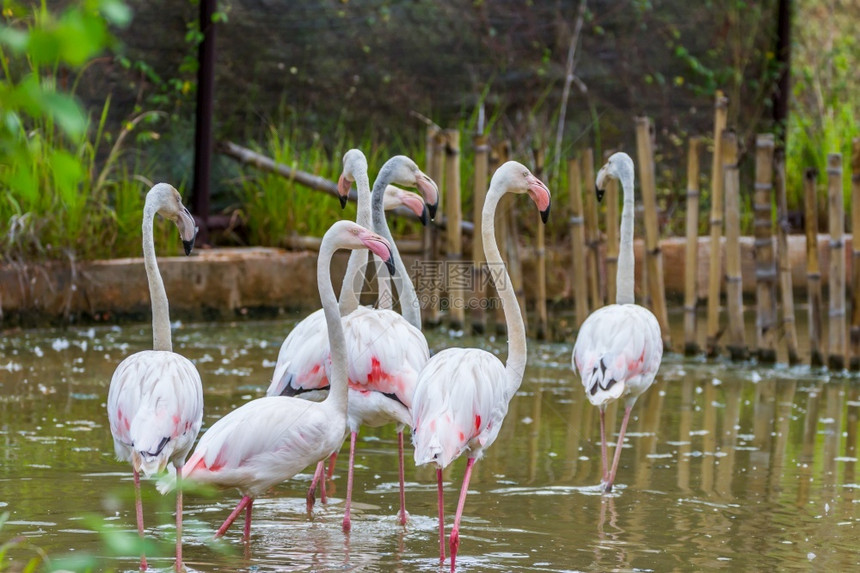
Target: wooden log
855, 256
653, 254
813, 269
691, 250
577, 242
479, 276
736, 343
788, 324
612, 230
715, 273
764, 255
540, 255
838, 343
592, 233
456, 269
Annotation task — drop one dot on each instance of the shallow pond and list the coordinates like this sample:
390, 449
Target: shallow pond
724, 467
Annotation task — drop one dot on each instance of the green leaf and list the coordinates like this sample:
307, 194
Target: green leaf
14, 38
116, 12
66, 112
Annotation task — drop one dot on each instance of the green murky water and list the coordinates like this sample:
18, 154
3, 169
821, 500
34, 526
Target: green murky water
725, 467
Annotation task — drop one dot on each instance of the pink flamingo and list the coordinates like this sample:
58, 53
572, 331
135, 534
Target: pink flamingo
462, 395
386, 351
619, 347
271, 439
155, 401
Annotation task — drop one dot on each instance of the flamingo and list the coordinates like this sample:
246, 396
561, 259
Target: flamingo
271, 439
619, 347
155, 400
463, 394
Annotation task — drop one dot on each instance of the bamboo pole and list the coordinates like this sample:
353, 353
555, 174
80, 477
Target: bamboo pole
736, 343
764, 255
813, 269
456, 268
855, 255
540, 255
592, 233
788, 324
653, 254
612, 239
715, 274
691, 251
577, 242
479, 276
838, 344
432, 285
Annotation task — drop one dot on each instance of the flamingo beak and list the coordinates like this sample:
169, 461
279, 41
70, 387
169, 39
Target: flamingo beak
343, 185
539, 193
187, 230
379, 247
599, 183
415, 204
430, 191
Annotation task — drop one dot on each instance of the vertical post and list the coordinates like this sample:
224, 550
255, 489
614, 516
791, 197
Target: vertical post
453, 220
540, 303
429, 305
203, 119
734, 286
577, 242
612, 240
789, 326
838, 345
715, 274
813, 269
855, 255
653, 254
765, 272
436, 163
691, 251
592, 234
479, 277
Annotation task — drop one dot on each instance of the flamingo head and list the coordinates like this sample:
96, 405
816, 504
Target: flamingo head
354, 165
619, 166
168, 203
396, 197
518, 179
351, 235
406, 172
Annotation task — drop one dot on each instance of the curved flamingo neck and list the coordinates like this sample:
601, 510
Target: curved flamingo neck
516, 362
353, 280
337, 342
409, 306
626, 260
161, 339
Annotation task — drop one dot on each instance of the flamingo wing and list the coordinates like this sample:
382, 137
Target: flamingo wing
459, 404
617, 352
301, 360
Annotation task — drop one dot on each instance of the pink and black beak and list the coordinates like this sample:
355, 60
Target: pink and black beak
416, 204
343, 186
187, 230
430, 191
379, 247
539, 193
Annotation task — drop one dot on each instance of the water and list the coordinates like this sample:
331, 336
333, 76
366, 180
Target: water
724, 467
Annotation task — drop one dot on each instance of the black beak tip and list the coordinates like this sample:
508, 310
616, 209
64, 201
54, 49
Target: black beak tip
425, 216
188, 245
600, 193
390, 264
544, 215
432, 210
343, 201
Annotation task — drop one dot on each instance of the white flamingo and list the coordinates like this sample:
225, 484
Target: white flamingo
463, 393
155, 401
619, 347
271, 439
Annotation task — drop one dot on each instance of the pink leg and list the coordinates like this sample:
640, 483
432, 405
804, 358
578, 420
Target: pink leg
618, 447
441, 516
347, 523
226, 525
323, 497
138, 508
179, 566
311, 498
402, 481
454, 542
247, 534
603, 454
331, 462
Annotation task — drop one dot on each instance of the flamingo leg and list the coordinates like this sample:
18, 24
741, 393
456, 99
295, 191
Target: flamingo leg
226, 525
347, 523
138, 508
618, 447
441, 516
179, 566
331, 462
247, 533
402, 480
603, 454
311, 498
323, 497
454, 541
